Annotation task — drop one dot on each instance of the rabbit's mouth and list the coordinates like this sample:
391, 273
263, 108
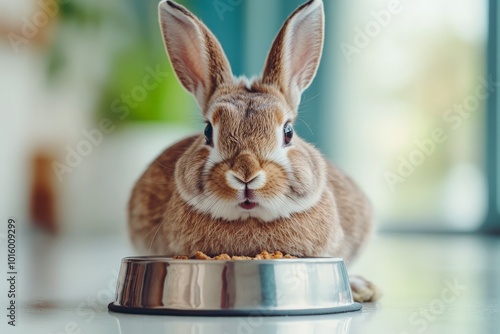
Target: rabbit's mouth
247, 205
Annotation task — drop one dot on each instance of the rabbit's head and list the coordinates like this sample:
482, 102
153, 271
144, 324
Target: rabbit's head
249, 162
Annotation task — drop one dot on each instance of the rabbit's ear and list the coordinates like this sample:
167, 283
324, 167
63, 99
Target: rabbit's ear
195, 53
296, 52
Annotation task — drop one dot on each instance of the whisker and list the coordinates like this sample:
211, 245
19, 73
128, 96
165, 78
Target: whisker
307, 125
153, 182
154, 236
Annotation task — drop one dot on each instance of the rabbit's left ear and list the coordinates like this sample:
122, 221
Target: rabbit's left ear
296, 52
195, 53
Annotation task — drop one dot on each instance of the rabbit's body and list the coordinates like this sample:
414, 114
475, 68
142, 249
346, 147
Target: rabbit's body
248, 184
162, 223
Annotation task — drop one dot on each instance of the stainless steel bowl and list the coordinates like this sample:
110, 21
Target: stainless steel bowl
305, 286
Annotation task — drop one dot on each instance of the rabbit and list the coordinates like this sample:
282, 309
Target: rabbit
248, 183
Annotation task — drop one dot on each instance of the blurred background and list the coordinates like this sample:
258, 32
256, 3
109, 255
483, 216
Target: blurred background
405, 102
88, 99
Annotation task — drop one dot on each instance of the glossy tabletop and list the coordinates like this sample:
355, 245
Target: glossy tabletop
431, 284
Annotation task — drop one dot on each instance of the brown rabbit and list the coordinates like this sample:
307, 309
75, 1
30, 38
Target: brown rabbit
248, 183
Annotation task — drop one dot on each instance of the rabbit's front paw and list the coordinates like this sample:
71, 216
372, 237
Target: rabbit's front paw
363, 291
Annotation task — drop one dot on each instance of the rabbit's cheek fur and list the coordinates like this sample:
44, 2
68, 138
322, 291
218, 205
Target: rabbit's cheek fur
190, 170
217, 185
276, 182
308, 171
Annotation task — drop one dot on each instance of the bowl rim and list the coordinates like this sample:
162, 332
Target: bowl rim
171, 260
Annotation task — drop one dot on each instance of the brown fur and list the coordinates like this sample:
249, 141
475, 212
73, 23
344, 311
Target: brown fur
247, 115
335, 227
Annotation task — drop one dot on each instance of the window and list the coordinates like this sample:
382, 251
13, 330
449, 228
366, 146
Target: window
411, 91
400, 101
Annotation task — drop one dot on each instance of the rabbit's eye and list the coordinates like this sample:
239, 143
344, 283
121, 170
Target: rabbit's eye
288, 134
208, 134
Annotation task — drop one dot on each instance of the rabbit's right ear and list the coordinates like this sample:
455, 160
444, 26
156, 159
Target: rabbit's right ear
195, 53
296, 52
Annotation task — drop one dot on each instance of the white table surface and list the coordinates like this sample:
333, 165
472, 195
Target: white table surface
65, 285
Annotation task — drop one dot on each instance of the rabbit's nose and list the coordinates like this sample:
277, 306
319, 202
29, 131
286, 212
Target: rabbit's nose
246, 166
246, 173
237, 182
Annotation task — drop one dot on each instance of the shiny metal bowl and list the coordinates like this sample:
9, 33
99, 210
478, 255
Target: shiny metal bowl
305, 286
